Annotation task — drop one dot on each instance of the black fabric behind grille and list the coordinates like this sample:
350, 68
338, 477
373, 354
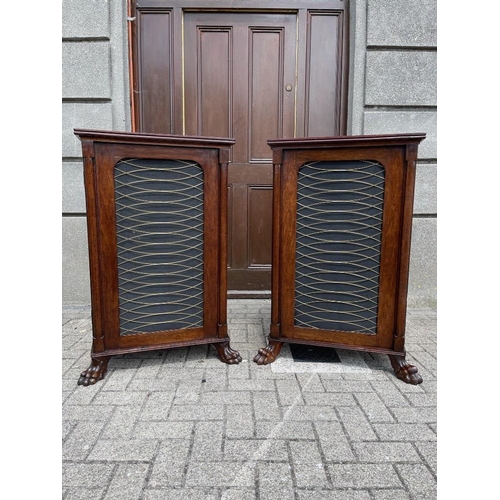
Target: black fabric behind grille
159, 217
339, 223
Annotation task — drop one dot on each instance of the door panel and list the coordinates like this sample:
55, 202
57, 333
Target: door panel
265, 106
153, 75
322, 113
208, 82
236, 70
259, 225
250, 226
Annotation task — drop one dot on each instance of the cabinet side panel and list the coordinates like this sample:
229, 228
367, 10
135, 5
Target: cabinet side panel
93, 244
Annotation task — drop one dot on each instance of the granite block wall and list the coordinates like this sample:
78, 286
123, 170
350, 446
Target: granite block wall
94, 95
393, 87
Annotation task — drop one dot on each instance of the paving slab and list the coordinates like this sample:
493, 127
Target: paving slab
179, 424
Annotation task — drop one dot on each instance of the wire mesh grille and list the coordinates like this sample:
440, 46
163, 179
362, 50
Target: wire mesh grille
339, 231
159, 219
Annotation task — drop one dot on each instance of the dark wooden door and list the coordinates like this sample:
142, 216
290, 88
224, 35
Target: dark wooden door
240, 83
251, 76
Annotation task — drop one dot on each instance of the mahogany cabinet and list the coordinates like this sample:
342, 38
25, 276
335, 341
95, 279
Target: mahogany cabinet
342, 215
157, 235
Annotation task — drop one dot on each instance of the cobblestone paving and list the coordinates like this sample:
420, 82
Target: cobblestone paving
179, 424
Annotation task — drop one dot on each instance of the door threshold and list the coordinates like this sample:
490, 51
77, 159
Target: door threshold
249, 294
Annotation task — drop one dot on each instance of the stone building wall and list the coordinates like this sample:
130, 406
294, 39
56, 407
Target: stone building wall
393, 86
95, 95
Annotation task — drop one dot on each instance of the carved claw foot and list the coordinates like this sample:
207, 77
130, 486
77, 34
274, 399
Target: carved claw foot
226, 354
404, 371
94, 372
266, 355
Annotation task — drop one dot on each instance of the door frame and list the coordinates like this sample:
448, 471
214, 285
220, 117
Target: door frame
175, 10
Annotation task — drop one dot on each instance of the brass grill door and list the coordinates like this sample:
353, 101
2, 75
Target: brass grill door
159, 229
339, 235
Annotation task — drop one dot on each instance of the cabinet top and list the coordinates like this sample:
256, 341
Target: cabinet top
347, 141
153, 139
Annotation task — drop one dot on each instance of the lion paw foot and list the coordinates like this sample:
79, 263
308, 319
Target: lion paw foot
94, 372
227, 354
266, 355
404, 371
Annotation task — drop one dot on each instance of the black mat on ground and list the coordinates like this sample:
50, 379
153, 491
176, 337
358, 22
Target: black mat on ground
318, 354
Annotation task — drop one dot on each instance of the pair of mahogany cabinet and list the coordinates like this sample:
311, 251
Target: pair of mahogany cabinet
157, 234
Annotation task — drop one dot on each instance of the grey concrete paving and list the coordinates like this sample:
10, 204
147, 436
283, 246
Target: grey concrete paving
180, 424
